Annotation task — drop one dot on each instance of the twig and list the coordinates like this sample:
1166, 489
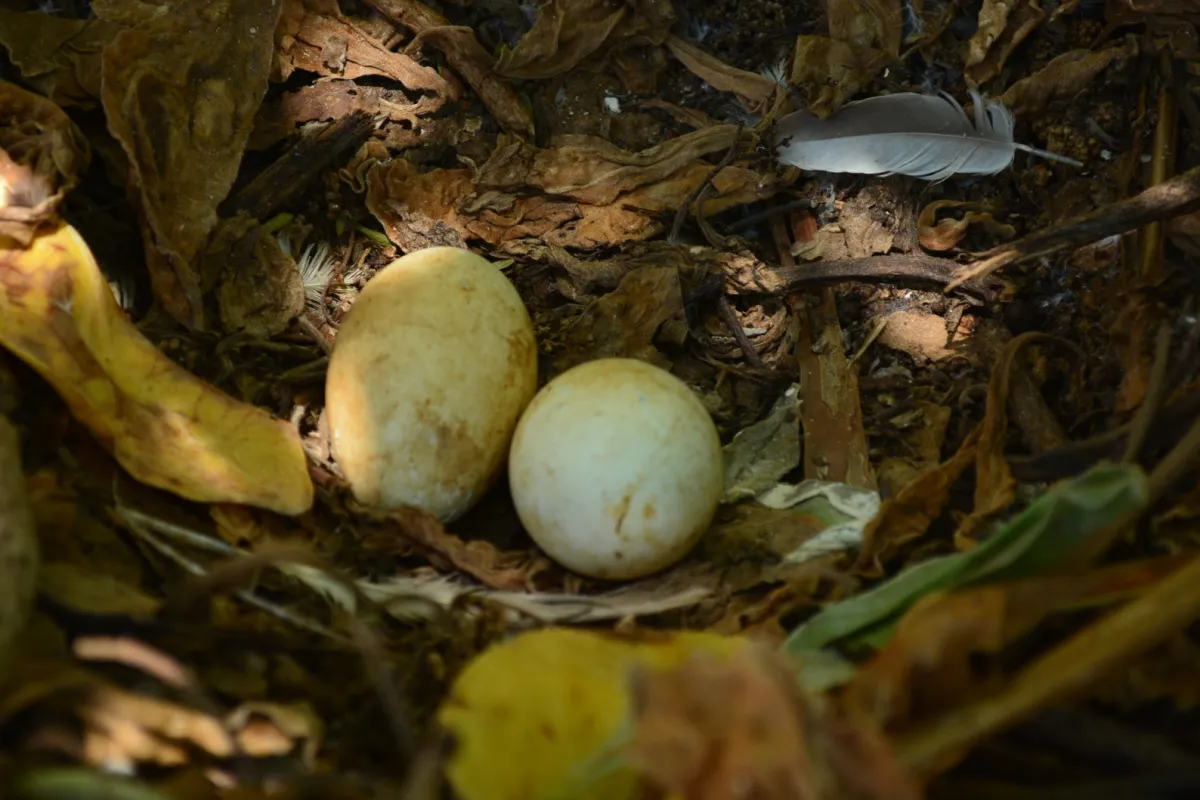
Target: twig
739, 333
1172, 198
300, 165
896, 267
682, 213
1155, 391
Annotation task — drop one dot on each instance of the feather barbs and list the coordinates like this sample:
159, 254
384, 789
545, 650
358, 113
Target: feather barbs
920, 135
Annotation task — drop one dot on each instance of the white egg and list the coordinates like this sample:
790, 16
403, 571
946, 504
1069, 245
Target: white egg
429, 374
616, 469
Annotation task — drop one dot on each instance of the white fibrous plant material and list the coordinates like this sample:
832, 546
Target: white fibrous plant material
921, 135
316, 266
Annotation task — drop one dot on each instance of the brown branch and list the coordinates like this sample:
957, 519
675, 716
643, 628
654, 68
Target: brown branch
1172, 198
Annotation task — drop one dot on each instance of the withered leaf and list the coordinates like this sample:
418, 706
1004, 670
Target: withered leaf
625, 322
466, 56
1003, 24
830, 72
592, 170
945, 233
42, 156
180, 92
867, 24
58, 57
314, 35
1064, 77
567, 32
585, 192
754, 89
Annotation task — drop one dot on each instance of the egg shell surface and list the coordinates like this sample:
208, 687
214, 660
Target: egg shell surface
429, 374
616, 469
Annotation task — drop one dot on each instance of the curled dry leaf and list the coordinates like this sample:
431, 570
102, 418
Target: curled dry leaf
1065, 76
830, 72
164, 115
584, 192
567, 32
995, 487
755, 90
165, 426
1003, 24
42, 155
58, 57
945, 233
479, 559
906, 515
314, 35
646, 305
466, 56
19, 554
873, 24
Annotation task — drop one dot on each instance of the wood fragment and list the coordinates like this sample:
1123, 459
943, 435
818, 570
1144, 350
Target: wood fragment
299, 166
1172, 198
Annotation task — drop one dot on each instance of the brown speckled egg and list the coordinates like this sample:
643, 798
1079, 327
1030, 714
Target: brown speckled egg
430, 372
616, 469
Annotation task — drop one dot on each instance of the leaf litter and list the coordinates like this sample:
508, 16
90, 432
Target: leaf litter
958, 416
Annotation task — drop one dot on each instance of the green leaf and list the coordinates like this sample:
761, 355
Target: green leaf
1033, 542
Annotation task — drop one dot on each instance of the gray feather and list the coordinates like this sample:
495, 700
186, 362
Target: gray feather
925, 136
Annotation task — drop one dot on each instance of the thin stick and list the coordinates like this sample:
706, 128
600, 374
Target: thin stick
1171, 198
682, 213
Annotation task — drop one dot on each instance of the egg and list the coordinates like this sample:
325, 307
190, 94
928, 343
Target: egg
430, 372
616, 469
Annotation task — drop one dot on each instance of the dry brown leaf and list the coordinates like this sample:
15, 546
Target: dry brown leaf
567, 32
830, 72
869, 24
335, 100
907, 515
719, 728
593, 170
466, 56
58, 57
621, 195
755, 90
479, 559
314, 35
1065, 76
995, 487
1003, 24
945, 233
164, 114
647, 304
42, 157
165, 426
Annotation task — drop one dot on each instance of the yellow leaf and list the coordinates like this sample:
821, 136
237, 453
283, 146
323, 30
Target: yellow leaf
164, 425
536, 717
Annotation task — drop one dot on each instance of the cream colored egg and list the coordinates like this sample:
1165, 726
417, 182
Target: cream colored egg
431, 370
616, 469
